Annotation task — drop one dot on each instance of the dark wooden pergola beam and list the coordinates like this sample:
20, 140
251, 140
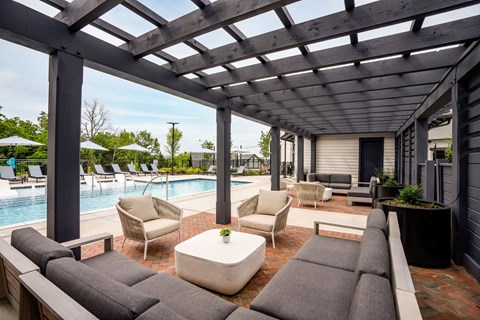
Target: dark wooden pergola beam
416, 63
416, 25
367, 17
356, 86
349, 6
287, 22
80, 13
437, 36
340, 116
198, 22
332, 110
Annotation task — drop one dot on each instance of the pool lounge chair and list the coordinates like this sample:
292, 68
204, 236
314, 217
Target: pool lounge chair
239, 172
155, 169
6, 173
145, 170
209, 171
82, 173
132, 170
36, 173
117, 170
100, 172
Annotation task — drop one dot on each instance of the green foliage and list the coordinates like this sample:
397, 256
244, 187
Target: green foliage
225, 232
183, 159
264, 145
448, 151
209, 145
252, 172
390, 182
382, 174
410, 195
173, 139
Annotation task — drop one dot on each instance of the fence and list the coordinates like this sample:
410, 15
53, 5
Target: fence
436, 180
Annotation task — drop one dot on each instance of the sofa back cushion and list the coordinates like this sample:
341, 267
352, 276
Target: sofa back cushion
373, 299
323, 177
376, 219
140, 207
270, 202
341, 178
37, 247
103, 297
374, 257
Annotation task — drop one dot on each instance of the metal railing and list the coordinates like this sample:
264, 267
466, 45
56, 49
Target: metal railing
161, 180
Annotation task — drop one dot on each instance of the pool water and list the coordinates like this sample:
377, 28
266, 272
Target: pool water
30, 204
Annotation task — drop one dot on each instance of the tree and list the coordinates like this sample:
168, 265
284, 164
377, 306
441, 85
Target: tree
145, 139
209, 145
94, 119
264, 145
176, 143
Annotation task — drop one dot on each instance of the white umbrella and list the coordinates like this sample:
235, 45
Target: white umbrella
92, 145
134, 147
18, 141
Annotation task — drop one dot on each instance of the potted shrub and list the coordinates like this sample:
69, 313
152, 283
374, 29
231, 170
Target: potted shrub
425, 227
225, 234
389, 189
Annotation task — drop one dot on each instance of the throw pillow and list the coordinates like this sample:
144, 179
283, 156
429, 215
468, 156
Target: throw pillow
269, 202
140, 207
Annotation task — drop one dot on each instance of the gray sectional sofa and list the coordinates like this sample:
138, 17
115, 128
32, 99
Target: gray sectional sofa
329, 278
339, 182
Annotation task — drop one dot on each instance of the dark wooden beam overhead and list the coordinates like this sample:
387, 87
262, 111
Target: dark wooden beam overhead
433, 37
211, 17
287, 22
144, 12
363, 18
349, 6
80, 13
421, 62
416, 25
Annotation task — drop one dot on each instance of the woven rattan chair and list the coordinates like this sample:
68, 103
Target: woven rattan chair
309, 192
250, 218
134, 228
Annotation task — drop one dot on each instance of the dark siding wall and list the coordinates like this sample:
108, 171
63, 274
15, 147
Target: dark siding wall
447, 195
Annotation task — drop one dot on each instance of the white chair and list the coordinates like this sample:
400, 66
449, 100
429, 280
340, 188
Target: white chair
309, 192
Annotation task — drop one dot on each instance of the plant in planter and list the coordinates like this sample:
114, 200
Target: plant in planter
390, 188
225, 234
425, 227
382, 175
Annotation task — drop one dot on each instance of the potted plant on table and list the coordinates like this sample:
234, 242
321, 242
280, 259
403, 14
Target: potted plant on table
425, 227
225, 234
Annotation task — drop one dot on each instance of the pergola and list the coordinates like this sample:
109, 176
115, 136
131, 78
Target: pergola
392, 83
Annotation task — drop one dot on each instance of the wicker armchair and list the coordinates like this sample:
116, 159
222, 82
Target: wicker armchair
309, 192
168, 221
249, 218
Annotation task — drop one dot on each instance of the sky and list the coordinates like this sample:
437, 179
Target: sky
24, 73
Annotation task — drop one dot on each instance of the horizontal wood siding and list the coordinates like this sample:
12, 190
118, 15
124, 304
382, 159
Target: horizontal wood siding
307, 154
447, 195
340, 153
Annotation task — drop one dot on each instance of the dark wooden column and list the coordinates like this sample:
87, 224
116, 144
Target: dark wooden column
300, 141
64, 117
224, 206
275, 157
421, 148
313, 154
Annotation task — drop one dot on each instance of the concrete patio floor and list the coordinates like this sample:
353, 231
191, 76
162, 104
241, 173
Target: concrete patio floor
442, 293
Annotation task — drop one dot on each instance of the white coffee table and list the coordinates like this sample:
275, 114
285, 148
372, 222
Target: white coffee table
327, 194
223, 267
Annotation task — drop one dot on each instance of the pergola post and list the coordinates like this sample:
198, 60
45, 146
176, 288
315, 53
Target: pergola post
223, 212
421, 148
300, 141
64, 118
275, 157
313, 154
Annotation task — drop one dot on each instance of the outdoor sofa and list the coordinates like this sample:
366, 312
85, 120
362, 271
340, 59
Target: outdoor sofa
362, 194
318, 283
339, 182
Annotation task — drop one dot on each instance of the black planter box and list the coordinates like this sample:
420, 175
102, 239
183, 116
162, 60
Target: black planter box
382, 191
425, 233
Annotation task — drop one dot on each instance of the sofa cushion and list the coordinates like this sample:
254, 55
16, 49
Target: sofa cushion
160, 227
262, 222
341, 178
184, 298
323, 178
270, 202
374, 257
325, 251
103, 297
373, 299
161, 311
304, 290
336, 185
118, 267
361, 192
140, 207
244, 313
376, 219
37, 247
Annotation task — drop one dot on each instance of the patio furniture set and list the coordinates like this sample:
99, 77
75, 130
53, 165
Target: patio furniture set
369, 280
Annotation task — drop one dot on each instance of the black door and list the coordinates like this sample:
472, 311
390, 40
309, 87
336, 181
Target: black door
371, 157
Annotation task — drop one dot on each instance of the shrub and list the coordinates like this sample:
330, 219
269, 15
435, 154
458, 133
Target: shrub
180, 170
410, 195
449, 152
391, 182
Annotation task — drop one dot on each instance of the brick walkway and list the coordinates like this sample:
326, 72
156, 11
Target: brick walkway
442, 293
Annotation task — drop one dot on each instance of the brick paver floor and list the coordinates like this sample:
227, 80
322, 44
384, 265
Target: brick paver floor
441, 293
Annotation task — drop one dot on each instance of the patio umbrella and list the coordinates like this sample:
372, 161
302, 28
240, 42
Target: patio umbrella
134, 147
92, 145
18, 141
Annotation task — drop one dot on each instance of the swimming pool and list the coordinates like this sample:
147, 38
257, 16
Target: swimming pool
30, 204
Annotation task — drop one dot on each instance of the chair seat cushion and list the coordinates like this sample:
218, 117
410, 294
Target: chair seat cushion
161, 311
305, 291
325, 251
160, 227
184, 298
270, 202
118, 267
262, 222
337, 185
103, 297
361, 192
140, 207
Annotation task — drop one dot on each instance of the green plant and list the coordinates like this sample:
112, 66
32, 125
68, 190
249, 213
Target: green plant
390, 182
448, 151
225, 232
382, 174
410, 195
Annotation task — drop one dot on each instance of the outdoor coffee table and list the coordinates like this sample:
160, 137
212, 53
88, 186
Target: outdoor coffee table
223, 267
327, 194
